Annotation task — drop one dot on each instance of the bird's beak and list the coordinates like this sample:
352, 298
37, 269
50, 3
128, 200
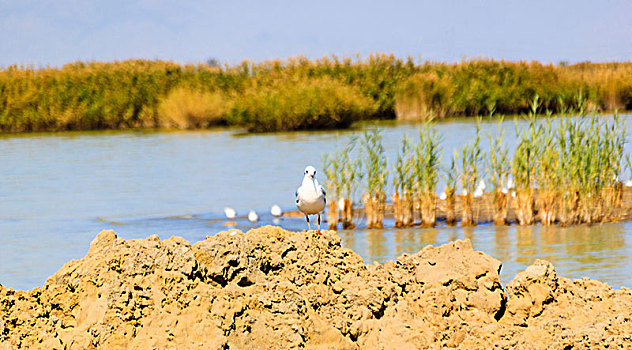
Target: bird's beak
312, 176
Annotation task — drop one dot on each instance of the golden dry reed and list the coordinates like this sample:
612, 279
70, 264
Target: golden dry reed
563, 170
296, 93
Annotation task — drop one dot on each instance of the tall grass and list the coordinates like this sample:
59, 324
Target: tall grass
403, 184
471, 158
375, 167
498, 172
565, 170
298, 93
426, 170
468, 87
450, 176
317, 103
343, 177
524, 167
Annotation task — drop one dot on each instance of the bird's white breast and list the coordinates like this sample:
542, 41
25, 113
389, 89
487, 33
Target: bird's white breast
310, 199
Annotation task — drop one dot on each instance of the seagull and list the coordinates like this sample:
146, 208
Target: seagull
443, 196
480, 189
253, 217
310, 196
276, 211
230, 213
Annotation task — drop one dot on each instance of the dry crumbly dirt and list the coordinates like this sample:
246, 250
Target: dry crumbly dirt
270, 288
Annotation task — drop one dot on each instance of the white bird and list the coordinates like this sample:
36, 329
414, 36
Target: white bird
510, 183
464, 192
480, 189
276, 211
341, 204
443, 196
230, 213
310, 196
628, 183
253, 217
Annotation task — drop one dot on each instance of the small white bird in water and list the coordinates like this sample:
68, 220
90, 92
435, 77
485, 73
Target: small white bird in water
310, 196
480, 189
510, 183
230, 213
253, 217
276, 211
341, 204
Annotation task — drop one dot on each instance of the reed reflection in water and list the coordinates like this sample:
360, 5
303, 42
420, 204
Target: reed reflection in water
598, 251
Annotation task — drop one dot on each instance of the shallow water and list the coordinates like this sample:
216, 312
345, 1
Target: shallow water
57, 191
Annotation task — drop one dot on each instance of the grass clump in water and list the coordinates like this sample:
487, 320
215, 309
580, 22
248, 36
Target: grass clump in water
471, 158
426, 169
374, 165
403, 180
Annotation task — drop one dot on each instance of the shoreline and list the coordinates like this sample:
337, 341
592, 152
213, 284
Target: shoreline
268, 287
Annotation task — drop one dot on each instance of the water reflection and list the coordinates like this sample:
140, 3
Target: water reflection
598, 251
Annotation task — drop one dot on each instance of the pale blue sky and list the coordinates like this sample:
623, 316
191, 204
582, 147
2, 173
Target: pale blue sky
62, 31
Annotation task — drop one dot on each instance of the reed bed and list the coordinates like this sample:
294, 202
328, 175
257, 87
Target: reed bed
426, 174
450, 177
563, 170
296, 93
403, 185
471, 158
342, 174
498, 173
374, 165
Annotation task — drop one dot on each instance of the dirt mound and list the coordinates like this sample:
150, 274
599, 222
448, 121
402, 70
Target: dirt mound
270, 288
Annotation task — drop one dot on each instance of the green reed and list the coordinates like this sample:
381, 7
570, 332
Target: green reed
403, 184
471, 158
498, 172
450, 177
426, 173
374, 165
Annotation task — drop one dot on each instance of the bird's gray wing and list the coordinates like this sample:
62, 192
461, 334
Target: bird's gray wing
322, 189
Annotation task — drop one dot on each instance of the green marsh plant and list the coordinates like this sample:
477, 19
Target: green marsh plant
374, 165
403, 183
498, 171
471, 158
426, 171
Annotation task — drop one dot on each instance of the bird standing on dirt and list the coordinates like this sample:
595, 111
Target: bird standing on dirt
310, 196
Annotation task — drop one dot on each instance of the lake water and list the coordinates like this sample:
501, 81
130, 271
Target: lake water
57, 191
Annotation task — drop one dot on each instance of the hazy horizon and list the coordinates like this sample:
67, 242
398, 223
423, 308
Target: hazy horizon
52, 34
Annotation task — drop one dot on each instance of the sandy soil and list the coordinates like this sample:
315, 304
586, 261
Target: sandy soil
271, 288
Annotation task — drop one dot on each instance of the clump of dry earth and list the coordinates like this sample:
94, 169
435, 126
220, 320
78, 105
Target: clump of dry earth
271, 288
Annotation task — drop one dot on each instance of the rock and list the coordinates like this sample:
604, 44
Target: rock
531, 290
270, 288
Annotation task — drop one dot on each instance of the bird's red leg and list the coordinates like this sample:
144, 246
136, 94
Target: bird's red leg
308, 225
319, 224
